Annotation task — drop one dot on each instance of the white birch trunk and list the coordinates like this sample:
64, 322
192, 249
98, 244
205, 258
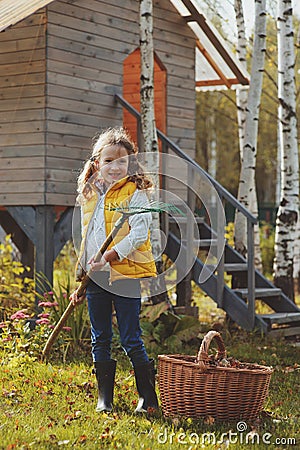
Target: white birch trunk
150, 140
241, 93
147, 77
247, 190
288, 211
278, 168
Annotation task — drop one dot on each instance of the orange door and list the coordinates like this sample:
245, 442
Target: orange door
131, 92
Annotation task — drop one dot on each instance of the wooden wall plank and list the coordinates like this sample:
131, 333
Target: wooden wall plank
28, 162
23, 68
20, 139
128, 11
64, 140
79, 58
38, 18
71, 128
78, 102
22, 56
24, 44
29, 126
78, 155
80, 83
81, 118
22, 33
19, 115
86, 73
21, 187
20, 174
20, 198
22, 79
85, 48
60, 199
19, 93
24, 151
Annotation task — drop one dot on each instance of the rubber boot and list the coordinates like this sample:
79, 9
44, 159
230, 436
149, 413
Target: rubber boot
105, 374
145, 383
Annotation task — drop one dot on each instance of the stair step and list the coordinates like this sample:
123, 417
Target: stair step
259, 292
203, 243
281, 317
235, 267
230, 267
284, 331
181, 219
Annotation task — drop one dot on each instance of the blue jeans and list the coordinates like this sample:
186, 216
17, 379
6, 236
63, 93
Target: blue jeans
100, 301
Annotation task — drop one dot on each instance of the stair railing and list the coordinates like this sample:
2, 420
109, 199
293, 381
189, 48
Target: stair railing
166, 146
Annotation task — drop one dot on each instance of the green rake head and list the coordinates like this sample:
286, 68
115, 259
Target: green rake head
153, 206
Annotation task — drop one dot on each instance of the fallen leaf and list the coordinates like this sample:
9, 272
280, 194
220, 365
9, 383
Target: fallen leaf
209, 420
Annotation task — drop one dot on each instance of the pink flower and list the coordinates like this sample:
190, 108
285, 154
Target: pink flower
67, 328
3, 325
51, 326
48, 304
44, 315
19, 315
64, 295
50, 292
42, 321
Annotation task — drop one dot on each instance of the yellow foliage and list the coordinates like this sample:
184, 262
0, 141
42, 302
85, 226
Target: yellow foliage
229, 234
16, 292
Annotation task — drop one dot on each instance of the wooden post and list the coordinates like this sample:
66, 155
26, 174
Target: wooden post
184, 287
44, 249
19, 238
220, 258
251, 274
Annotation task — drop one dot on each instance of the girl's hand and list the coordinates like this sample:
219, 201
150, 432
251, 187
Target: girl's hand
107, 257
95, 266
75, 300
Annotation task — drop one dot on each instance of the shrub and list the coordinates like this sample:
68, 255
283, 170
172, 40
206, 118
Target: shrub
164, 330
23, 329
17, 290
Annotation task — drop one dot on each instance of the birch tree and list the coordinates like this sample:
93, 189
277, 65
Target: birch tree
241, 93
150, 141
247, 189
288, 210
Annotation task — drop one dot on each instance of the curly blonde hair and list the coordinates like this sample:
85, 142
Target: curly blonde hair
113, 136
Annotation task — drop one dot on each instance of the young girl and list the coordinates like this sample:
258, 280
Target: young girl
113, 176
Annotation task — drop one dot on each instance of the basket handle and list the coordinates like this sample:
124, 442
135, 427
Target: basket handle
202, 357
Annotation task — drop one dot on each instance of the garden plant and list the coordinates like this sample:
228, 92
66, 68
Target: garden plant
51, 405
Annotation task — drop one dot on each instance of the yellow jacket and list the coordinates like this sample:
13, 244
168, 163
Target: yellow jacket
140, 263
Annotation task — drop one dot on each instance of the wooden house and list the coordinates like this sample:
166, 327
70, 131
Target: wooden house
70, 68
62, 62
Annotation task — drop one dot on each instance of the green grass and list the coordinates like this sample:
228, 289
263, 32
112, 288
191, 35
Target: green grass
49, 406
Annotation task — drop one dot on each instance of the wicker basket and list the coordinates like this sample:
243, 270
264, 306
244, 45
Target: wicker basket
192, 387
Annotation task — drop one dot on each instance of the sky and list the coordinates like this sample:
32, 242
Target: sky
249, 11
228, 14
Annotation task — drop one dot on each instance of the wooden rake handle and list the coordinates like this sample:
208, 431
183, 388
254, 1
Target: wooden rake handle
80, 290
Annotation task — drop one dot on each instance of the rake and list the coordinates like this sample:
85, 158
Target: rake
126, 210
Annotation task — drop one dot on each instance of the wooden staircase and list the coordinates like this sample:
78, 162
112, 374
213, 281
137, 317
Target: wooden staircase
285, 318
249, 286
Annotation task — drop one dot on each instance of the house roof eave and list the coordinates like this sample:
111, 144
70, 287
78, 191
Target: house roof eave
228, 71
12, 12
